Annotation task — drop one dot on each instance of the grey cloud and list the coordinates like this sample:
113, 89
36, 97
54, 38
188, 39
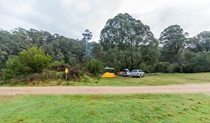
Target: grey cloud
71, 17
191, 15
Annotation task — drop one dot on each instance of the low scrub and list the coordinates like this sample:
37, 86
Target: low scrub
77, 72
52, 74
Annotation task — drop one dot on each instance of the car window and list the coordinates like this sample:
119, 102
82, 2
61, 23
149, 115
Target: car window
134, 70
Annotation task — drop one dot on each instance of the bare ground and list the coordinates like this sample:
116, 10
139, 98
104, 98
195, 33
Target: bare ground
187, 89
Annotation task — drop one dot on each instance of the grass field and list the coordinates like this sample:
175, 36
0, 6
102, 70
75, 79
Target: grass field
145, 108
152, 80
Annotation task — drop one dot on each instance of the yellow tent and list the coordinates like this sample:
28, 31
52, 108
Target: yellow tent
108, 75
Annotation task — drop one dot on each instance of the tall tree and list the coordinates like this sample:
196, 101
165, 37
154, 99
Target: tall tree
124, 34
59, 47
173, 40
201, 42
124, 31
97, 51
87, 36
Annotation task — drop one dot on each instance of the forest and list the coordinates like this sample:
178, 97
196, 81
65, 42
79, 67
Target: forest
125, 42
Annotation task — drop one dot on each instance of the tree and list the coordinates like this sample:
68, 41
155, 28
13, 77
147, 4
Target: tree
97, 51
133, 42
124, 31
197, 53
71, 58
3, 55
87, 36
115, 58
95, 66
201, 42
8, 46
58, 47
164, 67
173, 39
28, 61
199, 63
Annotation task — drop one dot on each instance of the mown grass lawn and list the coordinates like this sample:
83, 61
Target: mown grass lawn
151, 80
155, 108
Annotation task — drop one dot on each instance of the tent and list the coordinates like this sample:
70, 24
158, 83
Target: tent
109, 73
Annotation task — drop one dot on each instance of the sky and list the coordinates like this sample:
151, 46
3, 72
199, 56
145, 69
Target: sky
71, 18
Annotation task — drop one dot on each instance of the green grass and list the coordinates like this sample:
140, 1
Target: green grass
152, 80
148, 80
158, 108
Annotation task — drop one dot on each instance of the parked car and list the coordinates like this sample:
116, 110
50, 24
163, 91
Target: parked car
137, 73
126, 72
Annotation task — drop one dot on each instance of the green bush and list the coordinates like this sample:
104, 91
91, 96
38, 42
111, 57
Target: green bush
188, 68
76, 73
199, 63
146, 69
46, 76
88, 79
58, 66
55, 63
95, 66
163, 67
27, 62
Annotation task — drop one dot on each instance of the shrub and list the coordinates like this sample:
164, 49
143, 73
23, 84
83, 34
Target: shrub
88, 79
27, 62
46, 76
146, 69
58, 66
95, 66
76, 73
163, 67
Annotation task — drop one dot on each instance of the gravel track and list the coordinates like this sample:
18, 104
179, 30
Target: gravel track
185, 89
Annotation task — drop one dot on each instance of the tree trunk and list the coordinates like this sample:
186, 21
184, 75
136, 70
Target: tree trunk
179, 62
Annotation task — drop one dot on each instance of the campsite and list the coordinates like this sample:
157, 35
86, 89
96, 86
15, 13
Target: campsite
104, 61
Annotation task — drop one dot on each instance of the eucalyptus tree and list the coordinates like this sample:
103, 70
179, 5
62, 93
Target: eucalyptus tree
202, 42
129, 34
3, 55
87, 36
58, 47
6, 46
97, 51
173, 39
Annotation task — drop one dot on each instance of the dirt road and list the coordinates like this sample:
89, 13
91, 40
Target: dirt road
188, 88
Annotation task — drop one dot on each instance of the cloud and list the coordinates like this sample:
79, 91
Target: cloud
71, 17
190, 14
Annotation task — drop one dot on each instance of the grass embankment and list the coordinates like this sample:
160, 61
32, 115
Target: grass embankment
152, 80
105, 108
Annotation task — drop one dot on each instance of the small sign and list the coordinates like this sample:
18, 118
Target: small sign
66, 70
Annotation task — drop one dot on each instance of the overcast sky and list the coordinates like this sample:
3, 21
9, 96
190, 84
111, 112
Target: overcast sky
71, 17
